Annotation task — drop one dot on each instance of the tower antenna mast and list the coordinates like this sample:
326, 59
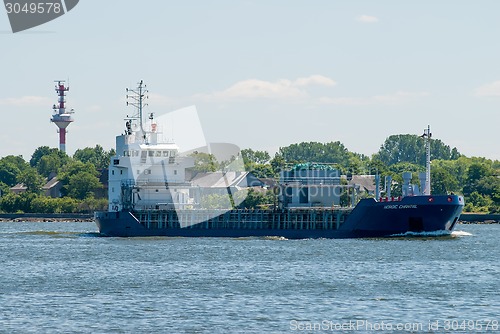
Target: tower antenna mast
427, 137
61, 118
136, 97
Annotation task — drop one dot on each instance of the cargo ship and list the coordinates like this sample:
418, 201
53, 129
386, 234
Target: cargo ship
155, 190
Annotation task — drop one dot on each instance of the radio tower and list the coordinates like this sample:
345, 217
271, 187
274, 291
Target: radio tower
61, 117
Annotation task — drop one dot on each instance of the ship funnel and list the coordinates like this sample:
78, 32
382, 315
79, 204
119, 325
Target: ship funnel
377, 186
388, 183
422, 177
406, 189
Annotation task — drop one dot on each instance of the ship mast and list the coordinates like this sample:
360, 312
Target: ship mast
137, 97
427, 137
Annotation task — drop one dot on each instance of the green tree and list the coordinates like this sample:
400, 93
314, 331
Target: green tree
278, 163
411, 148
82, 185
262, 170
48, 164
10, 169
96, 156
69, 176
215, 201
396, 172
17, 161
9, 173
67, 205
257, 162
475, 173
332, 152
91, 204
48, 160
477, 202
455, 154
489, 186
24, 201
32, 180
375, 165
257, 157
204, 162
38, 154
9, 203
257, 199
43, 204
358, 164
4, 189
457, 169
443, 182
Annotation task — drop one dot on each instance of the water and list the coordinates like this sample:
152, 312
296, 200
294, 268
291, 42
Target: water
63, 278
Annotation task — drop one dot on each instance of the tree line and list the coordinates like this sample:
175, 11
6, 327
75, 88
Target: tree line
81, 191
476, 178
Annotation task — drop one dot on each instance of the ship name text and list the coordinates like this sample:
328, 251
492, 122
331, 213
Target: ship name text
401, 206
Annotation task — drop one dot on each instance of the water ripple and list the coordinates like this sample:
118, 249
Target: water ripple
66, 278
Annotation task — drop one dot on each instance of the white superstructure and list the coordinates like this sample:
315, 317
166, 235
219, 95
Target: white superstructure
145, 173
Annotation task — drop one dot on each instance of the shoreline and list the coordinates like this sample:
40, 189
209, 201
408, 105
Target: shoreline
479, 218
46, 217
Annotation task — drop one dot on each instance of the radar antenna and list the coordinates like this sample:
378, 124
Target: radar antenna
136, 97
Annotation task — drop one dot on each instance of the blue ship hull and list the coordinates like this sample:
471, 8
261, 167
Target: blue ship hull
368, 219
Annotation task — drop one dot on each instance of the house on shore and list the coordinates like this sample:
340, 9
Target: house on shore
51, 188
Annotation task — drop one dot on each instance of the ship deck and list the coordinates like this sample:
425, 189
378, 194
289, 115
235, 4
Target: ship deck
297, 219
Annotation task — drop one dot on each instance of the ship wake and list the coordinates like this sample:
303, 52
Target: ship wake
461, 234
433, 234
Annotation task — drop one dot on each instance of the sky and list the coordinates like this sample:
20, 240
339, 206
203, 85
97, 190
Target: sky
262, 74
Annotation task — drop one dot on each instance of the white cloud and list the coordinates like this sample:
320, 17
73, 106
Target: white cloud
367, 19
396, 98
27, 101
254, 88
491, 89
296, 90
314, 80
283, 88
